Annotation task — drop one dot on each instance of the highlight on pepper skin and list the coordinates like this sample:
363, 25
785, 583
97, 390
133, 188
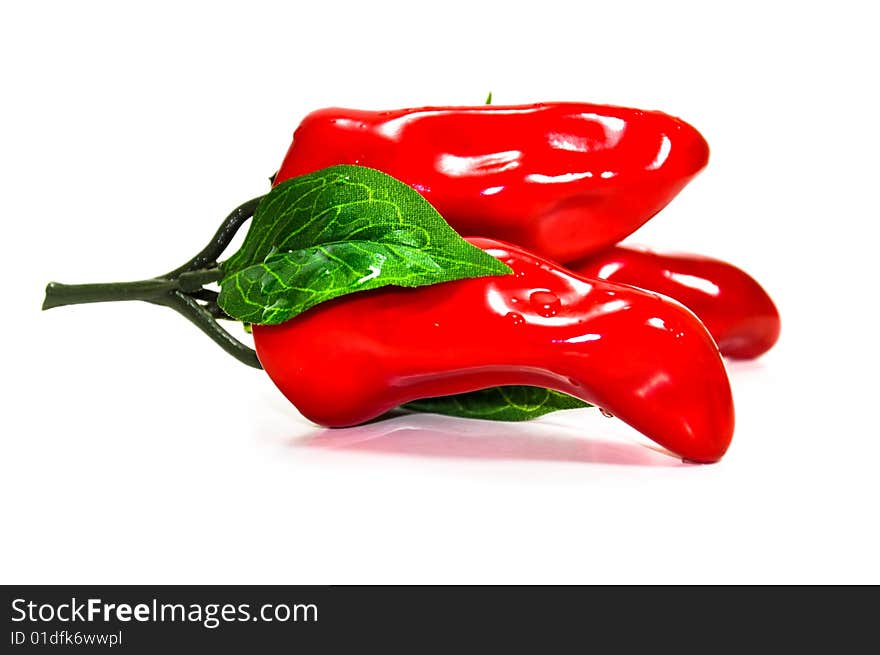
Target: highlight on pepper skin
561, 179
734, 307
642, 357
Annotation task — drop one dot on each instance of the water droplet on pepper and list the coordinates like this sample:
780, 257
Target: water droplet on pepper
545, 303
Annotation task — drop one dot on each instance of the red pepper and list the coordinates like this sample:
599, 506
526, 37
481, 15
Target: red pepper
562, 179
642, 357
735, 309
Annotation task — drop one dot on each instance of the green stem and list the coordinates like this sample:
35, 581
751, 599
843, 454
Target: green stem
155, 290
159, 292
207, 258
193, 281
180, 289
58, 295
202, 318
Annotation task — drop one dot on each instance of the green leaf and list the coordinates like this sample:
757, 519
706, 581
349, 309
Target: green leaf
512, 403
336, 231
489, 98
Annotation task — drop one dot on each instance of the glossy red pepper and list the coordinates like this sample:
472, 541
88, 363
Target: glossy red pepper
640, 356
561, 179
735, 309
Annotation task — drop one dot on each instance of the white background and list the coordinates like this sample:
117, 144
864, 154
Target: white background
135, 451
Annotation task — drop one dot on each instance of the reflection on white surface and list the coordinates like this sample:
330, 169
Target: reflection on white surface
432, 436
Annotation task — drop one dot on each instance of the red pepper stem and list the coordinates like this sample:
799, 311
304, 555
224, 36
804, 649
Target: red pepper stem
180, 289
